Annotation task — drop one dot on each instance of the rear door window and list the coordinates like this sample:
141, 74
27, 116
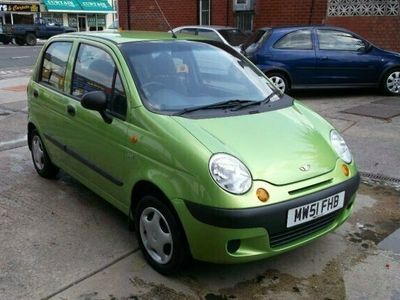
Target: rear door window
55, 64
298, 40
210, 34
95, 70
338, 40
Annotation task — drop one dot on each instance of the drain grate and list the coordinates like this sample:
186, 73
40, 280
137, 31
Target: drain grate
375, 110
379, 177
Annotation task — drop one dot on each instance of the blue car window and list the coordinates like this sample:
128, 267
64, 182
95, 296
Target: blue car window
338, 40
300, 40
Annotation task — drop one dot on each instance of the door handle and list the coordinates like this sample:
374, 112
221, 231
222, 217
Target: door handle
35, 93
71, 110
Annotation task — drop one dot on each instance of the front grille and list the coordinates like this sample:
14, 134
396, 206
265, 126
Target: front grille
302, 230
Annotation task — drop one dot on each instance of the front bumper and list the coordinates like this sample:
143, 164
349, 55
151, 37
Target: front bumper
259, 232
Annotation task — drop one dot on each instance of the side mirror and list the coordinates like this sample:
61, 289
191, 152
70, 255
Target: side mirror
97, 101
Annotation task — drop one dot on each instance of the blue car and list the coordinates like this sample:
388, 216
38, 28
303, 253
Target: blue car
322, 57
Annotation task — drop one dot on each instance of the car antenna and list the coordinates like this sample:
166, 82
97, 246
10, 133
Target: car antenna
165, 19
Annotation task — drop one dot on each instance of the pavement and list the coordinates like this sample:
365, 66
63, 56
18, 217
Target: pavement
58, 240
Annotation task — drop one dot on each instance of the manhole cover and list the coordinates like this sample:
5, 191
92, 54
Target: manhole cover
392, 101
374, 110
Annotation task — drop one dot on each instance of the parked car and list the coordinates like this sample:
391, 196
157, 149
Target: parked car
322, 57
190, 140
227, 35
29, 33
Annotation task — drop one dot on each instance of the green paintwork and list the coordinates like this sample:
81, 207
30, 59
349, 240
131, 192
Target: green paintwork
173, 153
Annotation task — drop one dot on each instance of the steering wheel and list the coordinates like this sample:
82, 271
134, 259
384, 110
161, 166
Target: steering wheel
152, 86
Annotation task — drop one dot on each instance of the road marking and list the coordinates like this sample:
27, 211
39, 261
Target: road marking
13, 144
18, 57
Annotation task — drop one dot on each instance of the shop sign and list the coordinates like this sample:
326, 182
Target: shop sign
19, 7
95, 5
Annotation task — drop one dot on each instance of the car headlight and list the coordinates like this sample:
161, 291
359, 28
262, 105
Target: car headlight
340, 147
230, 173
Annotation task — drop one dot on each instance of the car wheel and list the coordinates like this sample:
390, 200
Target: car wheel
41, 160
391, 82
20, 41
279, 81
6, 42
30, 39
160, 236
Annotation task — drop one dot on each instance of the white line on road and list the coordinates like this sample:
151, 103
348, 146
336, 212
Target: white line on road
13, 144
17, 57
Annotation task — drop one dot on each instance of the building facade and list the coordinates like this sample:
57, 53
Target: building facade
84, 15
376, 20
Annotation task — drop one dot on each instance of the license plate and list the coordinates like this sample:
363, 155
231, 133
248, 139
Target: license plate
311, 211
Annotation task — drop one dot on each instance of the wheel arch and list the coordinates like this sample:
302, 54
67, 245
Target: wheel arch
146, 187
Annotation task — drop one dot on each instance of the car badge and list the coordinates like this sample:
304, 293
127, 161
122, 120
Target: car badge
305, 168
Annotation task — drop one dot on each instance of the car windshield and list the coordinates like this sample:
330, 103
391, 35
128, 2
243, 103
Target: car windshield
256, 40
234, 37
173, 76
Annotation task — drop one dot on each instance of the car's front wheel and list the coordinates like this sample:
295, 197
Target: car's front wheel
391, 82
280, 81
31, 39
160, 236
41, 160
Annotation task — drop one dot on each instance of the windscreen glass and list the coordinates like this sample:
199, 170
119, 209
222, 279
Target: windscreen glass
176, 75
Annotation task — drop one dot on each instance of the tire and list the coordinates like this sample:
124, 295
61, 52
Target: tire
6, 42
172, 253
280, 81
30, 39
391, 82
41, 160
20, 41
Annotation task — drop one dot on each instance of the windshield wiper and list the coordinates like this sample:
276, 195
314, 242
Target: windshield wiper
223, 104
262, 102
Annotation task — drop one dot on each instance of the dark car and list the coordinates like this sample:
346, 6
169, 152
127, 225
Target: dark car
322, 57
28, 33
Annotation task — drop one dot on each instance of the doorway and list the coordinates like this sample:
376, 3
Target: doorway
82, 23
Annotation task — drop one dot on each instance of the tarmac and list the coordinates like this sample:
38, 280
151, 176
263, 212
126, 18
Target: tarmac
58, 240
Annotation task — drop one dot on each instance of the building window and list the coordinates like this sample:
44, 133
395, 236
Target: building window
204, 12
56, 18
244, 20
363, 8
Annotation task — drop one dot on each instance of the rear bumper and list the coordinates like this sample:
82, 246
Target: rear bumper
261, 232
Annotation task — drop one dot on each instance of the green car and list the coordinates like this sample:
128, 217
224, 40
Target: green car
192, 142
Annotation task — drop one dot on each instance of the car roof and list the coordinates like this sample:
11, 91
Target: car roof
216, 27
288, 28
120, 37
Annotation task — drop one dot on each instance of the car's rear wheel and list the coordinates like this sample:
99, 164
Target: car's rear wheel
30, 39
41, 160
160, 236
391, 82
280, 81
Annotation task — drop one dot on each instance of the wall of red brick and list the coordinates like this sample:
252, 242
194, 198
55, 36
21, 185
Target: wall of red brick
144, 15
381, 31
289, 12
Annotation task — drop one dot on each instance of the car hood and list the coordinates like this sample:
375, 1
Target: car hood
277, 146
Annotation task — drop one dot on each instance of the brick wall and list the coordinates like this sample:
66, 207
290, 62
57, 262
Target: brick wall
289, 12
382, 31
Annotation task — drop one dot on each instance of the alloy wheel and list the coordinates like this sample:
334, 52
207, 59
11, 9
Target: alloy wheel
393, 82
279, 83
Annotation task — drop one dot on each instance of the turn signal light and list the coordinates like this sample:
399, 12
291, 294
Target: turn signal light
262, 195
345, 170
